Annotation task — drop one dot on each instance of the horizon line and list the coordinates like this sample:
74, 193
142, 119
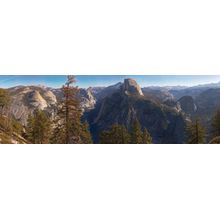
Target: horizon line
162, 86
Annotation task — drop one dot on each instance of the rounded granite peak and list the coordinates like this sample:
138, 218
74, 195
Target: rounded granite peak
131, 87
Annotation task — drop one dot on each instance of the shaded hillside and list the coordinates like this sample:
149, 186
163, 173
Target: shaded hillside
164, 124
187, 105
208, 102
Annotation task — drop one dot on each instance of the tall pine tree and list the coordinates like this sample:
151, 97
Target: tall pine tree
136, 133
4, 101
38, 128
216, 124
68, 128
196, 133
5, 114
146, 137
85, 134
117, 134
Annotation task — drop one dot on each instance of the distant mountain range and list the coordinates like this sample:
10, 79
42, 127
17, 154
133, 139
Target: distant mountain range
164, 111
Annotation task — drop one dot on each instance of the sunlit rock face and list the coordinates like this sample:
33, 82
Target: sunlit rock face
50, 97
35, 99
130, 87
25, 99
85, 97
87, 100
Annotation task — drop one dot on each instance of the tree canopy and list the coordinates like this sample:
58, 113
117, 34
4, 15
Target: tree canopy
196, 132
117, 134
68, 127
38, 129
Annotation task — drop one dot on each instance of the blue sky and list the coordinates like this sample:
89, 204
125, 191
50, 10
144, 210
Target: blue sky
85, 81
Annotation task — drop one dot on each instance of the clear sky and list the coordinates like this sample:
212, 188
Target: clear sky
85, 81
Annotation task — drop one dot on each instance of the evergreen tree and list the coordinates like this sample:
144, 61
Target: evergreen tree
4, 101
29, 134
68, 126
105, 137
216, 124
6, 122
136, 133
85, 134
196, 133
38, 128
125, 136
146, 137
117, 134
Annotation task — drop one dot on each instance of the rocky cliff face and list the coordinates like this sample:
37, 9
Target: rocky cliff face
127, 104
87, 100
24, 100
35, 99
187, 105
130, 87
